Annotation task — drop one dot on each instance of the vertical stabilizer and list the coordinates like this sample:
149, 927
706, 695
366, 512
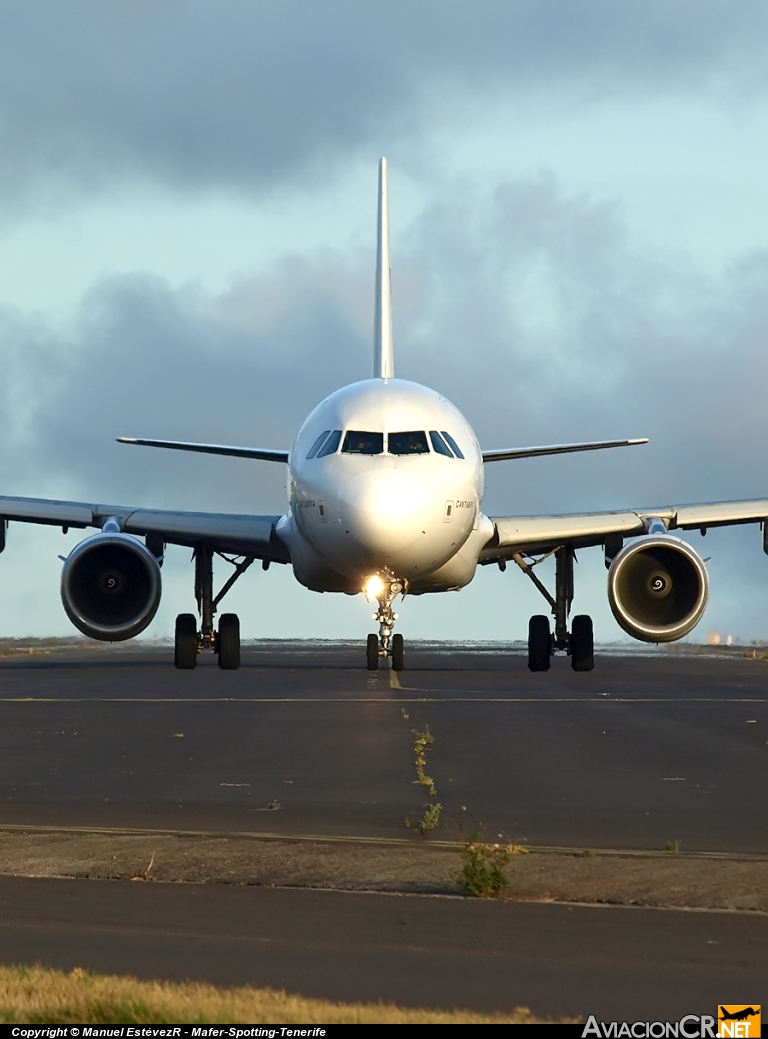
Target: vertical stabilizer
383, 355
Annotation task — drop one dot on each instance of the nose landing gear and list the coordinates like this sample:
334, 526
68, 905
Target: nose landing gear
385, 588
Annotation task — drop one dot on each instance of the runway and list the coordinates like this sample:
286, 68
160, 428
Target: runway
642, 752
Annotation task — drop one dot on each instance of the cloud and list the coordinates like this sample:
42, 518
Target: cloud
248, 96
145, 360
552, 325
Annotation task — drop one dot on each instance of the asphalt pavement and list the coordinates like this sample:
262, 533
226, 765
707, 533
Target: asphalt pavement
643, 751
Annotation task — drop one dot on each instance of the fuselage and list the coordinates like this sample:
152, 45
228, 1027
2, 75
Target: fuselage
385, 475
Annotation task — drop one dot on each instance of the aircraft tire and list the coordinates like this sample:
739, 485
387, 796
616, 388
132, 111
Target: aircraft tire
185, 642
582, 644
398, 653
372, 652
229, 642
539, 643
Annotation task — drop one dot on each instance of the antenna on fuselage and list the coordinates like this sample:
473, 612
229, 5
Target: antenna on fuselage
383, 353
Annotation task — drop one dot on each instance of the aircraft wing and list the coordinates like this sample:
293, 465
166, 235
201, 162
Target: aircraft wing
532, 534
223, 532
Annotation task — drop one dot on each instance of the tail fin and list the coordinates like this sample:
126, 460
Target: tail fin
383, 353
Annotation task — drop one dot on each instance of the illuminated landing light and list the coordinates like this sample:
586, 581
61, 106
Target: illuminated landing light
373, 587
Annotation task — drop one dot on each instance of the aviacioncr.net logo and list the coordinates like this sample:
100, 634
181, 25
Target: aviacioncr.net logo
689, 1027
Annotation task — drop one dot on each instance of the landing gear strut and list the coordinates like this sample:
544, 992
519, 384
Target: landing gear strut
579, 642
226, 641
385, 588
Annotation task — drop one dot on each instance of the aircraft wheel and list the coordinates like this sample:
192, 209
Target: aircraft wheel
398, 653
185, 642
229, 642
539, 643
372, 652
582, 644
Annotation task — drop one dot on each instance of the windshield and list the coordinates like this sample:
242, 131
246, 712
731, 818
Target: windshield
413, 443
331, 445
439, 445
360, 442
452, 444
317, 444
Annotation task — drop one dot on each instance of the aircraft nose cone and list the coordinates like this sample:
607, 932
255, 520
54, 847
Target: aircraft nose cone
386, 511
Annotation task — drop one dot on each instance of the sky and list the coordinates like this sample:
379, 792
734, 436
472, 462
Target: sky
579, 250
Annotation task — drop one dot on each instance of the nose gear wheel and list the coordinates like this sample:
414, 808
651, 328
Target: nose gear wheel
386, 644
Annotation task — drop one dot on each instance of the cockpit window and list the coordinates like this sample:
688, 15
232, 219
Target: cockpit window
359, 442
439, 445
453, 445
414, 443
331, 446
317, 444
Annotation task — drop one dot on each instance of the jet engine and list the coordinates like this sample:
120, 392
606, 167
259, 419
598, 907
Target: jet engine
110, 586
658, 588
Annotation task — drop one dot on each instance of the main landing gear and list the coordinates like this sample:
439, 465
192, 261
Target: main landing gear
542, 644
226, 641
385, 588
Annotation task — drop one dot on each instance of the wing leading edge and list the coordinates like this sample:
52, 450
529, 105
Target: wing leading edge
531, 534
223, 532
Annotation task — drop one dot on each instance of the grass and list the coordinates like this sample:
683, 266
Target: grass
36, 995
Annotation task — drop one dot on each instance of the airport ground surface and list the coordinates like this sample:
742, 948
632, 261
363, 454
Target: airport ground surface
643, 752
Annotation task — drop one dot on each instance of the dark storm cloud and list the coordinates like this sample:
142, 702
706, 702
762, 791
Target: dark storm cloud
244, 94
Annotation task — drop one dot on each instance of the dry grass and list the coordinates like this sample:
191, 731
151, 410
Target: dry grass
36, 995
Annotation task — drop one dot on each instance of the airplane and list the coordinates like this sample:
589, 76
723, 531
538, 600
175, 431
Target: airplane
385, 482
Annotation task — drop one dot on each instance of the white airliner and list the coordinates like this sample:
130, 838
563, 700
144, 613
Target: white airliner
385, 486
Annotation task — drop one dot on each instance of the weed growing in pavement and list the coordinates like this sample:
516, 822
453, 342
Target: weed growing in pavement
482, 866
423, 740
431, 818
674, 846
432, 811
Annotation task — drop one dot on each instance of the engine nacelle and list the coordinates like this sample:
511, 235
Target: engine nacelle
658, 588
110, 586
